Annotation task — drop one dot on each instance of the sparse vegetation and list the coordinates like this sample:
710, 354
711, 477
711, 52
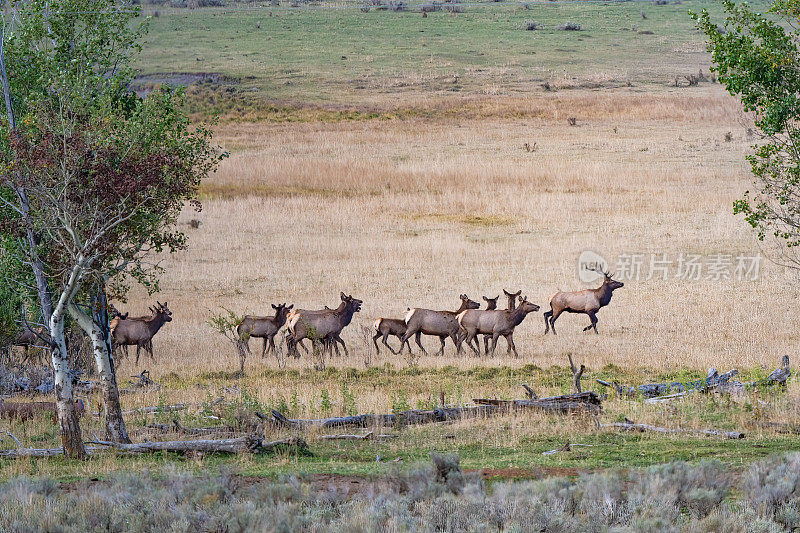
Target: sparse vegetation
676, 496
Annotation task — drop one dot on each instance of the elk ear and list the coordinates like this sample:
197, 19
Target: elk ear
342, 296
275, 307
289, 307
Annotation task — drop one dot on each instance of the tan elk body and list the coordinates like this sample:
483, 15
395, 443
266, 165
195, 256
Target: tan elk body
587, 301
442, 324
324, 325
496, 323
262, 327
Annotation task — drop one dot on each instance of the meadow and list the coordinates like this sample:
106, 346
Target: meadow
407, 160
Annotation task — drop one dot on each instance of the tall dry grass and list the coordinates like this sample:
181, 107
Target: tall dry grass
416, 212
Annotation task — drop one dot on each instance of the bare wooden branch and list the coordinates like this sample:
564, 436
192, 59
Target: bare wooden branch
630, 426
370, 435
531, 393
576, 374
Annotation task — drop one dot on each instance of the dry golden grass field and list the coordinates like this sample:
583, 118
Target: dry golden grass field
415, 212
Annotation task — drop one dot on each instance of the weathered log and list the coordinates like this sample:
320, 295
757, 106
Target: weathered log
366, 436
156, 409
631, 426
176, 427
780, 375
585, 401
250, 443
45, 452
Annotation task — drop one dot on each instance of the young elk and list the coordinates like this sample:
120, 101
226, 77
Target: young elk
495, 323
588, 302
262, 327
440, 324
390, 326
140, 331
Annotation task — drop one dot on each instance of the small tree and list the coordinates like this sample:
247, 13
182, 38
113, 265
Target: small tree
98, 175
756, 57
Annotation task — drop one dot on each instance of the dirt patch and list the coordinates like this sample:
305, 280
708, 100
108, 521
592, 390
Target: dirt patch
538, 472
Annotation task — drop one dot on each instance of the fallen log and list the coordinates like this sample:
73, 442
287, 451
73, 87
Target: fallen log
366, 436
568, 403
156, 409
45, 452
714, 381
631, 426
176, 427
248, 444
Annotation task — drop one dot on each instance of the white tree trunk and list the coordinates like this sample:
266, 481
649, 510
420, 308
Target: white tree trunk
68, 423
104, 359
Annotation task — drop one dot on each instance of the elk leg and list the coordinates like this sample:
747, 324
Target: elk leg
470, 337
441, 348
547, 316
511, 345
272, 345
553, 321
375, 341
407, 344
593, 318
138, 350
458, 339
495, 336
486, 344
263, 347
340, 340
386, 342
418, 338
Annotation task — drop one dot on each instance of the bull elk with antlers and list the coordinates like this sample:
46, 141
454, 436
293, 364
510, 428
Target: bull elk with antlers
587, 301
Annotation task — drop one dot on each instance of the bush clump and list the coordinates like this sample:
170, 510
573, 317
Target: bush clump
570, 26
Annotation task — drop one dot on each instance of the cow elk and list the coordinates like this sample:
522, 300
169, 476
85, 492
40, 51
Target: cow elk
262, 327
140, 331
587, 301
496, 323
442, 324
390, 326
322, 326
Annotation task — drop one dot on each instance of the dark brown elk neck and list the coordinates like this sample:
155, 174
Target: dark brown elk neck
603, 293
512, 302
280, 317
517, 315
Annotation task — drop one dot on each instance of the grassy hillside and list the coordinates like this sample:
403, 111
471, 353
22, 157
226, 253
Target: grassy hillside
347, 57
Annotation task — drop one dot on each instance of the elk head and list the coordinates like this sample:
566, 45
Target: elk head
281, 310
466, 303
163, 310
491, 303
608, 281
349, 301
527, 307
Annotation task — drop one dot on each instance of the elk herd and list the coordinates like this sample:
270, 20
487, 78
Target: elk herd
323, 327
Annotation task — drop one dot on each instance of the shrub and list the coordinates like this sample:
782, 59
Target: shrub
570, 26
531, 25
